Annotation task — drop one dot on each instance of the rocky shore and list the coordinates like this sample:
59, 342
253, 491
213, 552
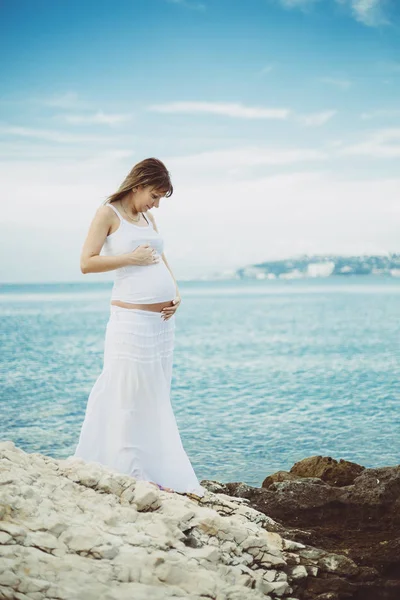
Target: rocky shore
71, 530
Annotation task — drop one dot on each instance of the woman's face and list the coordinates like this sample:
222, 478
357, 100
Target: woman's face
148, 197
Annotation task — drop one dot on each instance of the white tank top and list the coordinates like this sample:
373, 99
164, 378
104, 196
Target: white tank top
139, 284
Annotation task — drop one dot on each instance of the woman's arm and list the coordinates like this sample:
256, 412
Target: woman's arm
91, 261
148, 214
176, 285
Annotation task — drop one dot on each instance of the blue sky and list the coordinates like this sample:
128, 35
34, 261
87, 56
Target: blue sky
279, 121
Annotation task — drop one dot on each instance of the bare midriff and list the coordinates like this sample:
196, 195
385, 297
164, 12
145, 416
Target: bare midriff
156, 307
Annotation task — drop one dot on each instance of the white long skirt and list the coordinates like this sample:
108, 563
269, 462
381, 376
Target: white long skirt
129, 423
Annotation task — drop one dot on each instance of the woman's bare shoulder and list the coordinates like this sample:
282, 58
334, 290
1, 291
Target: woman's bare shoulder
104, 211
105, 207
104, 217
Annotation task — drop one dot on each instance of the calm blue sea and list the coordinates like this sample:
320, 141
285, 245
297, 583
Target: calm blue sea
265, 372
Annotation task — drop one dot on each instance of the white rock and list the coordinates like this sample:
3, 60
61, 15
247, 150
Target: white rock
298, 572
291, 545
76, 530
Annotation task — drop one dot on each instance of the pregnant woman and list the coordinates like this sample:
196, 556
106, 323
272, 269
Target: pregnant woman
129, 423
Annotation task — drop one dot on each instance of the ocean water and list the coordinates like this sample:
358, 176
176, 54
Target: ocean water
265, 372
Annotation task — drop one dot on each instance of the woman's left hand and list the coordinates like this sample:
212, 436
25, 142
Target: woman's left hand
168, 311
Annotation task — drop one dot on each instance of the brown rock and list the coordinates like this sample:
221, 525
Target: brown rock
344, 509
278, 476
328, 469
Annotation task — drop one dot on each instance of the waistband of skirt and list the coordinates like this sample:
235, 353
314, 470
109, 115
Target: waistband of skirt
139, 311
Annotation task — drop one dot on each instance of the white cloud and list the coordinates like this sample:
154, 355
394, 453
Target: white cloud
316, 119
60, 137
228, 109
302, 4
98, 118
272, 217
25, 150
189, 4
266, 69
240, 111
384, 112
67, 101
378, 145
342, 83
238, 160
368, 12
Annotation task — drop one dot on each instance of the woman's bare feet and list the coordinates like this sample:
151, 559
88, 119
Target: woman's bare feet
161, 487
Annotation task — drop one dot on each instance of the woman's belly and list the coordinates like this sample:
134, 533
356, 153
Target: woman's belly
150, 287
156, 307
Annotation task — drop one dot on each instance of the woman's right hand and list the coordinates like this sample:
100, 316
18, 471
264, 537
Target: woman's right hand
144, 254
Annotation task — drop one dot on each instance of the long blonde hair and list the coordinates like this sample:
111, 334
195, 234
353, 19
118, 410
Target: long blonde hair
150, 171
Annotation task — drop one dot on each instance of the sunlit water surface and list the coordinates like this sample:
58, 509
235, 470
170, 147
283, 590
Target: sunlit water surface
265, 372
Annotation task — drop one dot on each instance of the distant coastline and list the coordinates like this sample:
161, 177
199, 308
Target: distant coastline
306, 267
300, 267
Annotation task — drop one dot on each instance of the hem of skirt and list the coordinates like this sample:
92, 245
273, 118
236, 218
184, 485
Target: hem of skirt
199, 492
196, 491
141, 475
